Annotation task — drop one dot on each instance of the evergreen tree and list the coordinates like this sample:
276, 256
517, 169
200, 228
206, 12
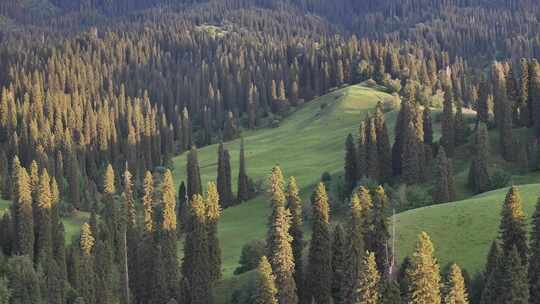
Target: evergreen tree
355, 249
444, 179
294, 205
534, 94
168, 238
108, 183
195, 267
339, 263
372, 151
491, 292
534, 263
279, 241
43, 221
23, 215
87, 276
351, 168
368, 281
448, 131
383, 145
361, 162
194, 185
265, 286
390, 293
379, 235
479, 179
224, 185
23, 281
455, 290
320, 249
428, 126
213, 214
513, 228
410, 161
148, 202
424, 276
514, 285
243, 191
183, 208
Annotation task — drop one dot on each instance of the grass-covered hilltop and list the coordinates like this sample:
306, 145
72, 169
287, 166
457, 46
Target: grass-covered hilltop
269, 152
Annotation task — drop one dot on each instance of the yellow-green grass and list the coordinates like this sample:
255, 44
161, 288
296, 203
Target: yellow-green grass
306, 144
461, 231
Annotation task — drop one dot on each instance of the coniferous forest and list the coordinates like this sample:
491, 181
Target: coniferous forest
269, 151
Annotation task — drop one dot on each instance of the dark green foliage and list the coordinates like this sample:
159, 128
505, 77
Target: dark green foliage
5, 292
372, 150
294, 204
428, 126
534, 263
23, 215
377, 241
355, 248
351, 168
251, 255
513, 228
410, 158
361, 163
23, 281
183, 208
384, 149
243, 189
479, 179
514, 284
492, 275
195, 267
320, 249
460, 126
224, 183
482, 111
213, 213
339, 263
194, 185
390, 293
444, 179
265, 290
448, 126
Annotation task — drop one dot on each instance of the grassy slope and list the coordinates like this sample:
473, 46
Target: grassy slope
461, 231
307, 143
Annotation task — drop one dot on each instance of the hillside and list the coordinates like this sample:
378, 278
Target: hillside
306, 144
461, 231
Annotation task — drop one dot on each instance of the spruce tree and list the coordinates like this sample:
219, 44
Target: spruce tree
86, 272
444, 180
43, 221
410, 161
213, 215
379, 235
224, 177
339, 263
351, 168
383, 145
194, 185
479, 179
23, 281
167, 237
148, 202
355, 249
195, 267
460, 126
279, 241
455, 290
265, 286
367, 291
424, 276
320, 249
243, 188
448, 131
390, 293
534, 263
492, 274
183, 208
514, 284
23, 215
294, 205
372, 151
513, 227
534, 94
361, 161
428, 126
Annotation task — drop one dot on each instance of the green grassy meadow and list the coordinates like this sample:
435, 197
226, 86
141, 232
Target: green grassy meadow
306, 144
461, 231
